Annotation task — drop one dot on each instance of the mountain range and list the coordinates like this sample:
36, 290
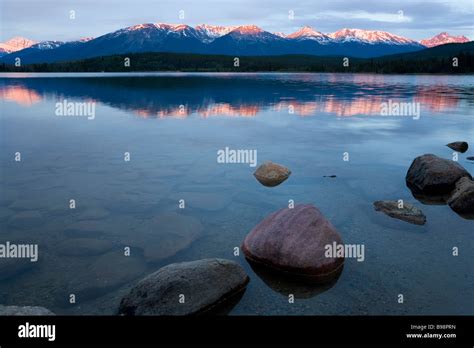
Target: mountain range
246, 40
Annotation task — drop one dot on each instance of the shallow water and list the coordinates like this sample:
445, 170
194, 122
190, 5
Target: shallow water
173, 125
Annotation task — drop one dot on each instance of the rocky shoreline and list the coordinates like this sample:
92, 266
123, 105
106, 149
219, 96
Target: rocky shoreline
290, 243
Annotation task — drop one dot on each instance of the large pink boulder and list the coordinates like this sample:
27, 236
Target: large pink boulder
293, 241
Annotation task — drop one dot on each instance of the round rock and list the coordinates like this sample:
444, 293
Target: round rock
293, 241
432, 175
186, 288
271, 174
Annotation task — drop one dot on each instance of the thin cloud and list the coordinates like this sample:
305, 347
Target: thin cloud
399, 17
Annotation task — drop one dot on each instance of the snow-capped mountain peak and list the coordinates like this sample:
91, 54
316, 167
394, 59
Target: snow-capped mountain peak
209, 33
443, 38
248, 30
48, 45
308, 33
148, 31
369, 36
16, 43
280, 34
253, 33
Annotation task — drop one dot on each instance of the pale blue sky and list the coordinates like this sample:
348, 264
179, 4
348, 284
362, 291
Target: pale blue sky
49, 19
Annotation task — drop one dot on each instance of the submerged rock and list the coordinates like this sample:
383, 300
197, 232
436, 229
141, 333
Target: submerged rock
210, 201
408, 212
462, 198
168, 234
24, 310
11, 267
108, 272
432, 175
83, 247
186, 288
86, 228
26, 219
271, 174
459, 146
293, 241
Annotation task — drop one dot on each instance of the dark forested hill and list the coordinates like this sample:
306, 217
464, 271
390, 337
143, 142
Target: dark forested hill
440, 59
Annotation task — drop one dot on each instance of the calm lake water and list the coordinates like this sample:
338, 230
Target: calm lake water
172, 125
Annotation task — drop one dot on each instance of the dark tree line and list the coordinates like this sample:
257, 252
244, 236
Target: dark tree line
140, 62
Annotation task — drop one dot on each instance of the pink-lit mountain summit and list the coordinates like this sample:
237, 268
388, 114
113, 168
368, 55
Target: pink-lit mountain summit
442, 39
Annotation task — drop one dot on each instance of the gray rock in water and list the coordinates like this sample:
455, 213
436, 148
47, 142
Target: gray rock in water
459, 146
271, 174
432, 175
205, 285
408, 213
462, 198
293, 242
24, 310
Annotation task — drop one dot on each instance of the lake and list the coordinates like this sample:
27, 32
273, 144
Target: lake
85, 187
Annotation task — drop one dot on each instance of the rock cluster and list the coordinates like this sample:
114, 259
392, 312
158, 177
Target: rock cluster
437, 180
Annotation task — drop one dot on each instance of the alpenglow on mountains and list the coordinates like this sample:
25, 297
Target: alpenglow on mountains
246, 40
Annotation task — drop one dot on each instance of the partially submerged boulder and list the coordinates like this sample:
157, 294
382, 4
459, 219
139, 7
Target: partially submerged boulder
186, 288
407, 212
292, 241
432, 175
271, 174
462, 198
